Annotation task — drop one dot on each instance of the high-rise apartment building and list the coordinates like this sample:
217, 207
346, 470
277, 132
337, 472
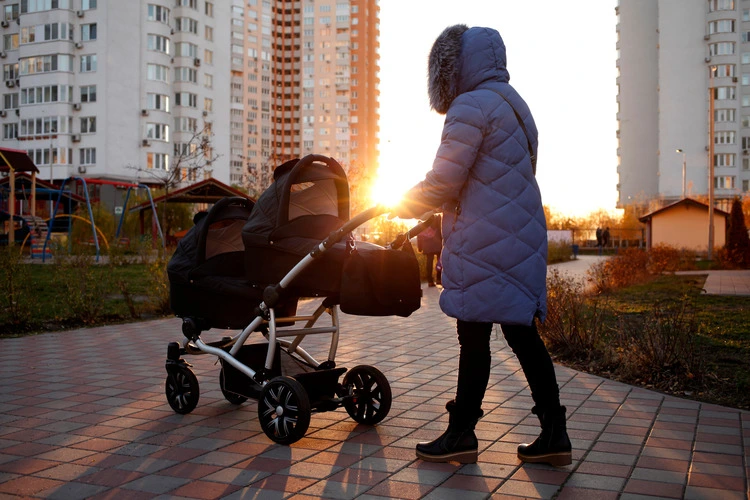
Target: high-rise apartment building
114, 89
305, 73
678, 59
120, 89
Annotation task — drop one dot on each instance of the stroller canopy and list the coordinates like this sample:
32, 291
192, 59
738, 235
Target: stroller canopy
308, 199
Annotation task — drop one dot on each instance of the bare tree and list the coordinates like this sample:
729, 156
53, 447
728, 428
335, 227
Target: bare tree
191, 161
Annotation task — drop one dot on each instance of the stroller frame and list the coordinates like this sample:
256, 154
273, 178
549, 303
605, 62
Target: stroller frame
285, 403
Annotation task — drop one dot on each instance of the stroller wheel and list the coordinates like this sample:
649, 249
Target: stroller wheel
284, 410
233, 398
371, 394
182, 389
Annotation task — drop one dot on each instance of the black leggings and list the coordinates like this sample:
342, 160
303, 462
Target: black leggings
474, 364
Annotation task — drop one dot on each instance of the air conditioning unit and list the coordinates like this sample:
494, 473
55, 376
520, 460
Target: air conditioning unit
708, 59
81, 169
172, 31
77, 106
79, 13
3, 113
144, 112
3, 54
79, 45
75, 137
146, 143
197, 61
706, 37
4, 23
745, 152
205, 113
10, 83
734, 79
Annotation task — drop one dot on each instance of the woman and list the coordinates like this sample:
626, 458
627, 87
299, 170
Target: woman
494, 237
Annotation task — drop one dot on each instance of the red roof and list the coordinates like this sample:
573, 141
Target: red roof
17, 160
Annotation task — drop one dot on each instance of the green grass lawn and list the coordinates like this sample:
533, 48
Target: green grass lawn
722, 335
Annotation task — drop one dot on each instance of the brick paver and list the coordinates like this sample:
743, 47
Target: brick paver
83, 415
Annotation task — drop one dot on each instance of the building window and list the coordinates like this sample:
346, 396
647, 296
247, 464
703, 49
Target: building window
158, 43
724, 182
185, 74
725, 137
88, 124
724, 160
209, 33
157, 131
45, 64
208, 81
714, 5
88, 63
88, 4
186, 99
11, 12
186, 49
10, 42
724, 70
157, 72
208, 56
209, 9
158, 13
746, 185
185, 124
157, 101
10, 131
724, 115
721, 48
157, 161
28, 6
193, 4
186, 24
88, 93
725, 93
88, 32
10, 101
46, 32
87, 156
208, 104
721, 26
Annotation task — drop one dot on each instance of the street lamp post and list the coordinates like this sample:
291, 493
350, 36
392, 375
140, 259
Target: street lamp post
684, 171
711, 71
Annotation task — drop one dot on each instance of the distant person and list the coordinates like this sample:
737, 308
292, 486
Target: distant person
430, 243
599, 239
494, 238
605, 238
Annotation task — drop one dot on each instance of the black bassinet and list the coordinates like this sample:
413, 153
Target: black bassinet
207, 271
308, 200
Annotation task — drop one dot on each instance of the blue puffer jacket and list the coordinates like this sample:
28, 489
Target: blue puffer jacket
494, 231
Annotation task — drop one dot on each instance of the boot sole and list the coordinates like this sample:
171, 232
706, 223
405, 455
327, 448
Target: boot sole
555, 459
464, 457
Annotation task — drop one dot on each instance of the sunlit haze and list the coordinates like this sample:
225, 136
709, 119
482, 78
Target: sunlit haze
561, 58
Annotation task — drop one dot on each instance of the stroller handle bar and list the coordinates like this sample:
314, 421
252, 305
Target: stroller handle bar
353, 224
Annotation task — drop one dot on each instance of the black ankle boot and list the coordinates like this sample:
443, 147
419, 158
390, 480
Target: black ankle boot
457, 444
553, 445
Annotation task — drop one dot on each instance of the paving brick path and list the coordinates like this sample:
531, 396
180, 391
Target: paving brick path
83, 415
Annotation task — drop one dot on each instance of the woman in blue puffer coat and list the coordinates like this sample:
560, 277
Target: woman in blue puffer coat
494, 237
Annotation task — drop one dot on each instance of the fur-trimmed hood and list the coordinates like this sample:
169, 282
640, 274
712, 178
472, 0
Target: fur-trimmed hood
460, 60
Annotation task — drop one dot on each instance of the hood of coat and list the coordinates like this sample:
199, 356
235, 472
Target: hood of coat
460, 60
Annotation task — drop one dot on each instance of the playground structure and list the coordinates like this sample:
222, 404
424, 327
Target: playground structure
94, 231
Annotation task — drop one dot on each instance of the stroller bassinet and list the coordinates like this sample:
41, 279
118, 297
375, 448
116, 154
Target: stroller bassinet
308, 200
207, 271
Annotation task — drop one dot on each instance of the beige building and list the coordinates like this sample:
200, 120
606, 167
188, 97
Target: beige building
684, 224
304, 80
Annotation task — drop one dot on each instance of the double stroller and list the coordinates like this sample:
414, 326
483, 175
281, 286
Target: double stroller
245, 267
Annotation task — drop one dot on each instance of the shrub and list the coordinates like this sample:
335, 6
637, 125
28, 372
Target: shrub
628, 267
559, 251
158, 284
17, 303
574, 323
659, 344
738, 243
668, 259
83, 290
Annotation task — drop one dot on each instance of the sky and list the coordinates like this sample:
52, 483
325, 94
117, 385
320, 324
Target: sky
561, 59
